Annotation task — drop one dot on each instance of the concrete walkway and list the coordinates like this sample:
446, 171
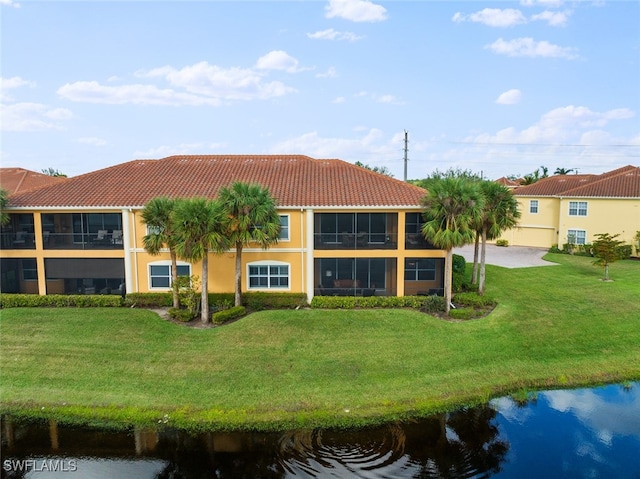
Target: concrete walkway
508, 257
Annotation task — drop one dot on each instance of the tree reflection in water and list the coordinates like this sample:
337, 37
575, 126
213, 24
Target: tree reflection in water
464, 443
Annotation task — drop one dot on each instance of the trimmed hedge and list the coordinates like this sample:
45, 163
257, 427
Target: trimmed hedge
60, 300
228, 314
255, 301
474, 300
352, 302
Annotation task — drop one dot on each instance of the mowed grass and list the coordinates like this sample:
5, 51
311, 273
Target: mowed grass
555, 326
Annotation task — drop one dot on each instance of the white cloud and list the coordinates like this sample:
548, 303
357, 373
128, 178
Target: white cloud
510, 97
493, 17
182, 149
32, 117
554, 19
92, 141
7, 84
356, 10
278, 60
545, 3
194, 85
560, 125
331, 34
330, 73
10, 3
528, 47
137, 94
371, 144
219, 83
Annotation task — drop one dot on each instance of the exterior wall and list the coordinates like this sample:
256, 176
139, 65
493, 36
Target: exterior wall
604, 215
552, 222
535, 229
298, 252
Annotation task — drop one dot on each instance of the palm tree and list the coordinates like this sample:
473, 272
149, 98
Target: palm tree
199, 227
4, 200
500, 213
452, 206
252, 218
157, 214
563, 171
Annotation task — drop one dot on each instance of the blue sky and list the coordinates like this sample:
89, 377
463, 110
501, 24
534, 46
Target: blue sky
500, 88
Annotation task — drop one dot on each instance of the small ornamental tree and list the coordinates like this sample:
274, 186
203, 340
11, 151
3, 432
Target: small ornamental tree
607, 250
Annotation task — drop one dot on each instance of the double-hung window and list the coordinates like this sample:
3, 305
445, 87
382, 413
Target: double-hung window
577, 236
160, 274
284, 228
577, 208
533, 206
268, 275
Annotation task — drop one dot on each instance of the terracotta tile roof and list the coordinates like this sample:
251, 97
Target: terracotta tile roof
620, 183
294, 180
19, 180
504, 181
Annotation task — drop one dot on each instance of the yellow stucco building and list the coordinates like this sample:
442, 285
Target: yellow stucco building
575, 208
345, 230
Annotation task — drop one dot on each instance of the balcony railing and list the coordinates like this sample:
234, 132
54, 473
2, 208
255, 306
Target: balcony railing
416, 241
19, 240
356, 241
107, 240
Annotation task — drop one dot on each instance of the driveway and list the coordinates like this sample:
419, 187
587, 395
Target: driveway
509, 256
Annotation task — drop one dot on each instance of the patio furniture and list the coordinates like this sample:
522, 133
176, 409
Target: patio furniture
116, 237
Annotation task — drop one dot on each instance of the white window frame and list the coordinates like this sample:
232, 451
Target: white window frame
168, 265
580, 208
287, 229
268, 264
575, 232
534, 207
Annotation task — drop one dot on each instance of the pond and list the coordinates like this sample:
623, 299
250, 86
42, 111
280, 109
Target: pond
588, 433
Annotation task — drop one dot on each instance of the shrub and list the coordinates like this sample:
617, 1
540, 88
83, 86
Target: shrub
179, 314
474, 300
262, 300
433, 304
457, 282
60, 300
502, 242
149, 300
352, 302
228, 314
554, 249
625, 251
458, 264
462, 313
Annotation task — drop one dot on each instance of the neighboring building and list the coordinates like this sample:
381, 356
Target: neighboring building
563, 207
345, 230
19, 180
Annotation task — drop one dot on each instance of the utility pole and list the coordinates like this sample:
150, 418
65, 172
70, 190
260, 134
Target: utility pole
406, 152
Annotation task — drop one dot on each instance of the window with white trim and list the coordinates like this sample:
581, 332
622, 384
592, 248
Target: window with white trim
576, 236
577, 208
284, 228
268, 275
533, 206
160, 274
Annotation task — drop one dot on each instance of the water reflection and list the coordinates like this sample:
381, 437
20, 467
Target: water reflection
590, 432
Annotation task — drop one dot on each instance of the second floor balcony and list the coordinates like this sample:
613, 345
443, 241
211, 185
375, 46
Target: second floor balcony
363, 231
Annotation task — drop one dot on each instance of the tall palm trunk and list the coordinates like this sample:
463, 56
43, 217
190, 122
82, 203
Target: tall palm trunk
204, 298
483, 252
174, 277
474, 278
238, 283
447, 280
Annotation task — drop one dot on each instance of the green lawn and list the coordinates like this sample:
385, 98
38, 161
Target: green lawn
555, 326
